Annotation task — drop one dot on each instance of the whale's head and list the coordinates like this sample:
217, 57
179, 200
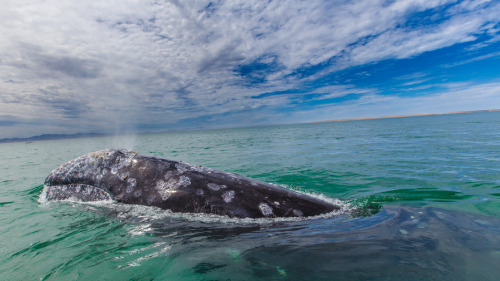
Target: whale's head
91, 177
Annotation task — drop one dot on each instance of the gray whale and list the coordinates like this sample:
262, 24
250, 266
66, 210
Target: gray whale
130, 178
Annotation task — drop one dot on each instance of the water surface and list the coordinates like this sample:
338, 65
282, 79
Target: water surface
424, 194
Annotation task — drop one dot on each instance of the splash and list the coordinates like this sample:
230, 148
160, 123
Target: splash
151, 213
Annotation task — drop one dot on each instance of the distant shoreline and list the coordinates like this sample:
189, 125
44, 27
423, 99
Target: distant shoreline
55, 137
402, 116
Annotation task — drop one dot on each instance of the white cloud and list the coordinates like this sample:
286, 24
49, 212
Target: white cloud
475, 59
401, 43
453, 98
336, 91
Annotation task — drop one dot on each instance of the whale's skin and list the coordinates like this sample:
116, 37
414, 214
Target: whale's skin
130, 178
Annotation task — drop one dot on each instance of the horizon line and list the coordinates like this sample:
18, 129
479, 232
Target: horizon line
404, 116
49, 136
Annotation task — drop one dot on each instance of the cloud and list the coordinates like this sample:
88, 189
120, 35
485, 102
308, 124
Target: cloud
474, 59
69, 105
132, 64
74, 67
453, 98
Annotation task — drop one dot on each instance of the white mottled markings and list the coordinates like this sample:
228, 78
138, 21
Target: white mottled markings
265, 209
169, 174
228, 196
173, 183
184, 181
160, 185
167, 188
215, 187
127, 162
131, 183
298, 213
181, 168
76, 192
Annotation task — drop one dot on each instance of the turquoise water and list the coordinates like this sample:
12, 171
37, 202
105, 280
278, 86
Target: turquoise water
423, 195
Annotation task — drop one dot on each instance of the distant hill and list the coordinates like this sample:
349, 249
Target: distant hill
54, 137
401, 116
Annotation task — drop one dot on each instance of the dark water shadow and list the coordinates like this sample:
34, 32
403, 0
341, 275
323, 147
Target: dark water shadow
399, 243
392, 243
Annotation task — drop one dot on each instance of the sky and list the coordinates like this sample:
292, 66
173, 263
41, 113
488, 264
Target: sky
148, 66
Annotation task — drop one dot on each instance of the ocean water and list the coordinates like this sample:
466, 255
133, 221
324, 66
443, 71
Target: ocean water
421, 201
